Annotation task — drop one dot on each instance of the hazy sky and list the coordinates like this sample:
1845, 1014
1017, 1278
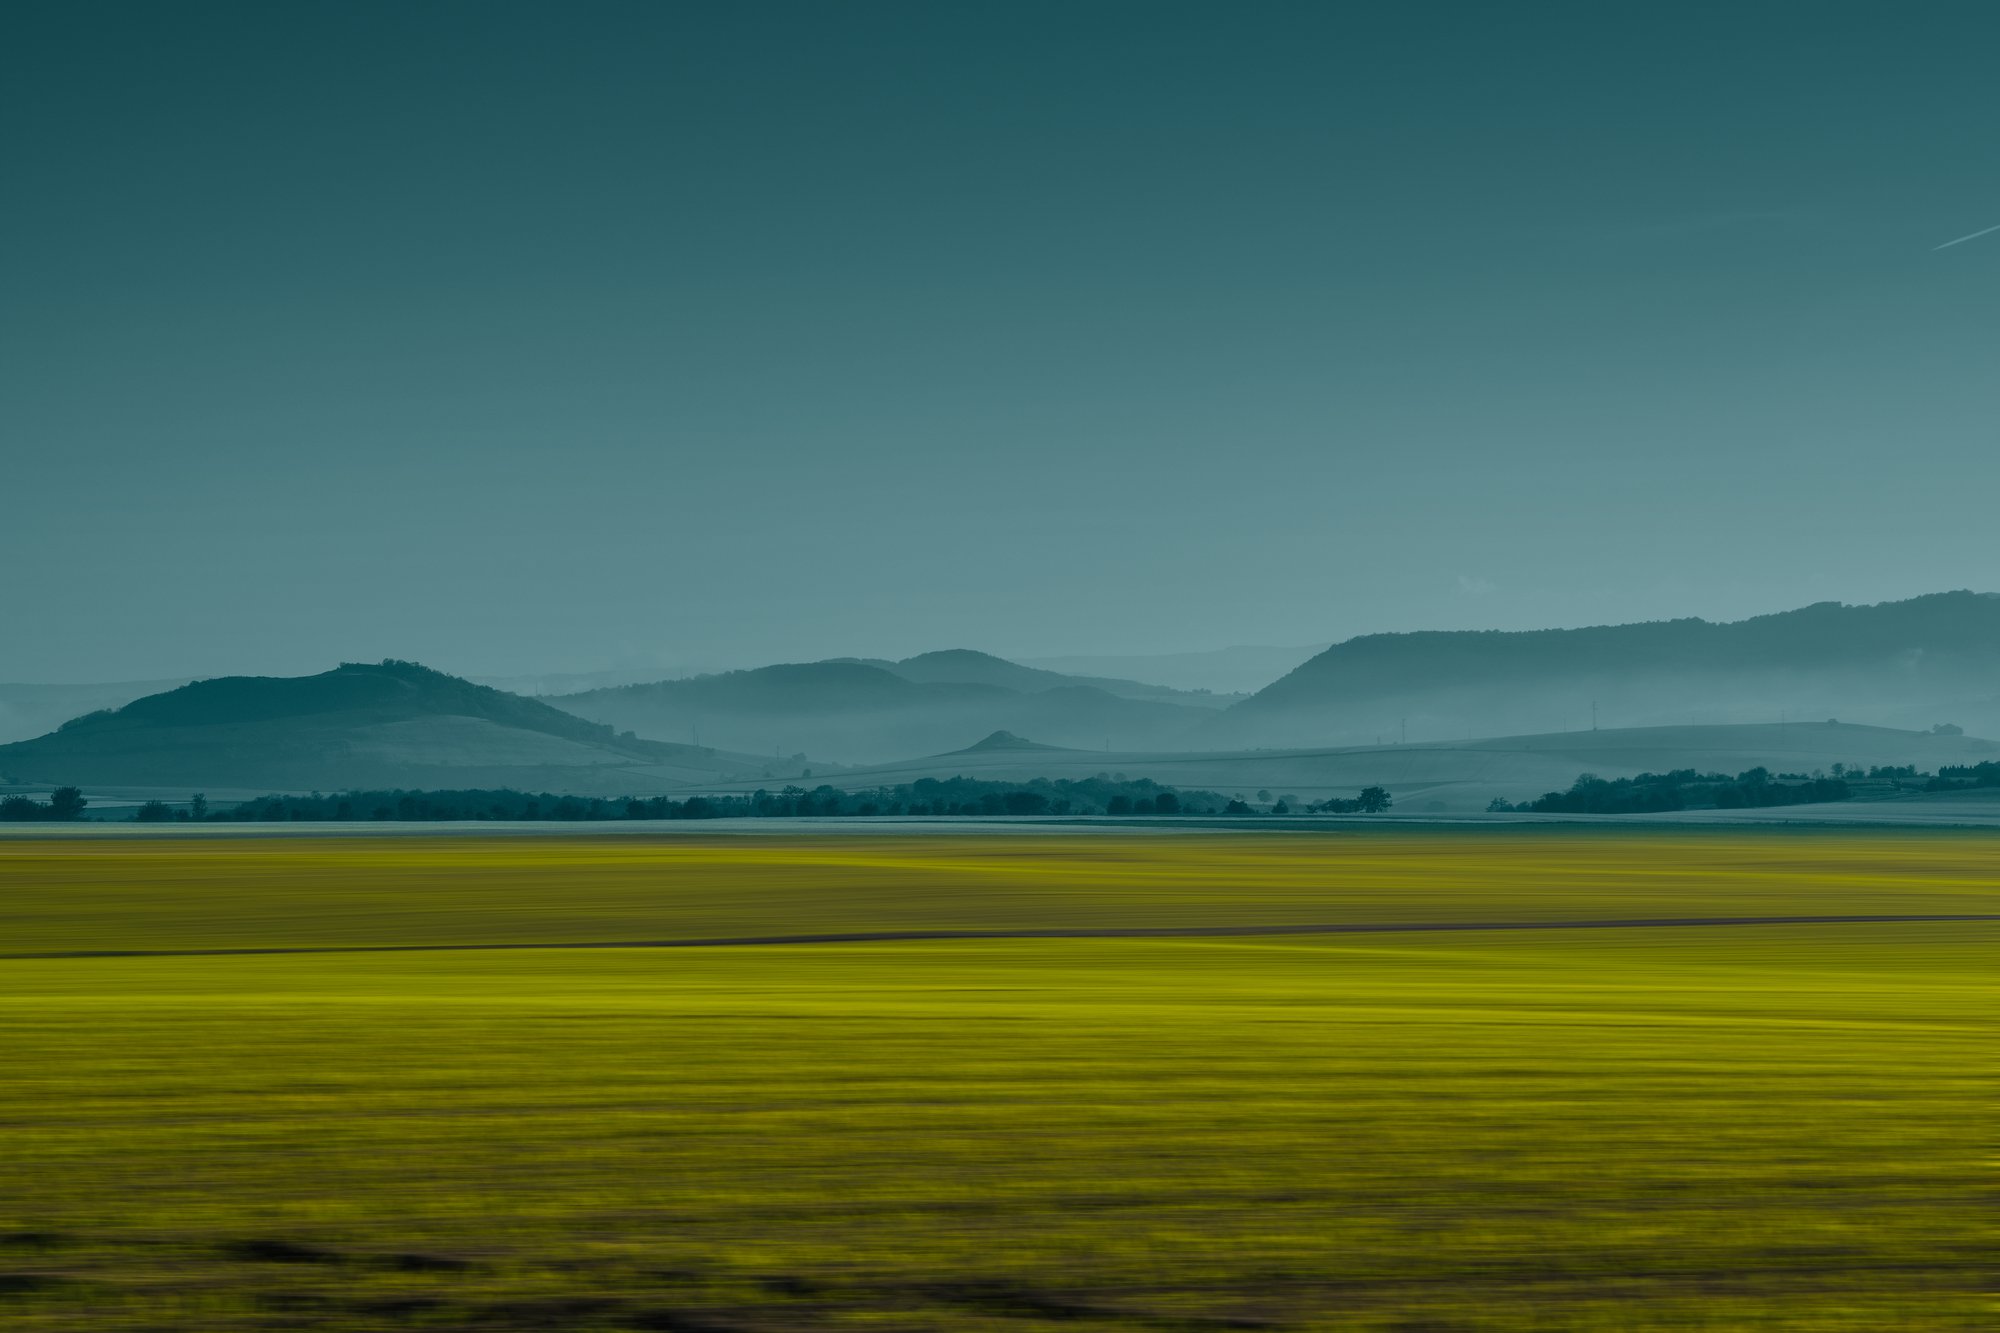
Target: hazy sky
516, 337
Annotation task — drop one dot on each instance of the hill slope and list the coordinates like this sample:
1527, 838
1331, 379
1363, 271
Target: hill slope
1223, 673
1905, 664
966, 666
27, 711
858, 711
395, 724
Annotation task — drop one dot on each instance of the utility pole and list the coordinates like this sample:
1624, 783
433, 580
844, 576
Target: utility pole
1406, 731
1593, 715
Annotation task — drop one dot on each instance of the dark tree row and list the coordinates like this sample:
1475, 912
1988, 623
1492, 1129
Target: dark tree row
1959, 777
1105, 794
64, 804
1682, 789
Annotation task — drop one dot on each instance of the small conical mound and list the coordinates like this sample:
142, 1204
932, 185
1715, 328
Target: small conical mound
1006, 740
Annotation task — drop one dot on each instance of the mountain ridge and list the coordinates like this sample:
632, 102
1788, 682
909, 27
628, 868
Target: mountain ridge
1888, 662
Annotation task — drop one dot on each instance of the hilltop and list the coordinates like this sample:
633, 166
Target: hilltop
1007, 740
389, 724
966, 666
858, 712
1909, 664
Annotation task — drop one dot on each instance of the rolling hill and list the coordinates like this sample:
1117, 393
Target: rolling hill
1454, 777
965, 666
861, 712
393, 724
1908, 664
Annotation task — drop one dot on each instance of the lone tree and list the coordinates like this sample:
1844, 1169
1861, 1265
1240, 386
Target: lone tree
1374, 800
66, 803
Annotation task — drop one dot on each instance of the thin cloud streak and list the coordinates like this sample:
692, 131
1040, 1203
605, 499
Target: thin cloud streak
1963, 239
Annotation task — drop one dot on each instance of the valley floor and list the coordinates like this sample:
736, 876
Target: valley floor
436, 1115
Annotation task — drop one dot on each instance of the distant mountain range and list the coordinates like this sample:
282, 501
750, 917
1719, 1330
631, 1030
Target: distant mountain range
387, 725
869, 711
1908, 664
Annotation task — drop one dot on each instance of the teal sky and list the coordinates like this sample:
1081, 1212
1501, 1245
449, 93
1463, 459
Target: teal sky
562, 336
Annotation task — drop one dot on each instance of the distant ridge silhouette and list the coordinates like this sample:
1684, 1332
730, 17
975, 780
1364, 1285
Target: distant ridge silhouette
388, 724
1006, 740
1906, 664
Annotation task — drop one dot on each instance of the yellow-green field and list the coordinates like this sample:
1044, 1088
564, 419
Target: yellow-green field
1685, 1127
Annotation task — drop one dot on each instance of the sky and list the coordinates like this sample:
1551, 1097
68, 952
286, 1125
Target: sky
563, 337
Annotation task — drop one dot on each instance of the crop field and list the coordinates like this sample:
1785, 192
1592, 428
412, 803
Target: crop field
441, 1082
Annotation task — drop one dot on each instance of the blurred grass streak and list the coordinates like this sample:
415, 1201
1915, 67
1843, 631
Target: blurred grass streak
247, 893
1715, 1128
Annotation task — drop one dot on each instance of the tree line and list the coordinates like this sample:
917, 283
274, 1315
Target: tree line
64, 804
1105, 794
1681, 789
1959, 777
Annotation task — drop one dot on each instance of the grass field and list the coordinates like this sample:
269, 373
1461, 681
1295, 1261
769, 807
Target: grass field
1714, 1127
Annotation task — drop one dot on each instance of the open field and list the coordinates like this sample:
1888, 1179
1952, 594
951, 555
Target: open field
1783, 1126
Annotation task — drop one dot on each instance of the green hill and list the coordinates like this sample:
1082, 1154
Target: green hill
392, 724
